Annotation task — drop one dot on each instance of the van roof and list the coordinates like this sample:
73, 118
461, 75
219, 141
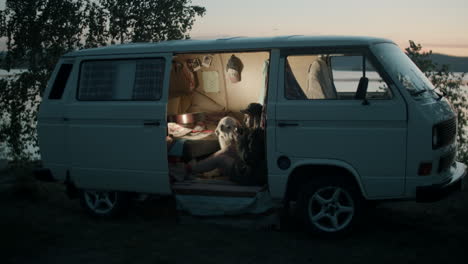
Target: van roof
227, 44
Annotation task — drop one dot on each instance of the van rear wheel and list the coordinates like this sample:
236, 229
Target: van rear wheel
103, 203
330, 206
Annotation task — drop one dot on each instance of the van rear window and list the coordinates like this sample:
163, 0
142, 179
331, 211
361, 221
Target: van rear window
60, 81
109, 80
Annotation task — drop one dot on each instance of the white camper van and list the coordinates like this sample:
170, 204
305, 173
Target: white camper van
344, 120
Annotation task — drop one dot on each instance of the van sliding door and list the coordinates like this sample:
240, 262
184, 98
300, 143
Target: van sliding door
117, 124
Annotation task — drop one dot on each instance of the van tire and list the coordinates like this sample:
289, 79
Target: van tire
106, 204
330, 206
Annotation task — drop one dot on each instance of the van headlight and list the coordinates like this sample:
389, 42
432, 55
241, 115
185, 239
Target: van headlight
435, 137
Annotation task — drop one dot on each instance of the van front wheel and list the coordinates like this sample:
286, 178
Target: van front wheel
329, 206
103, 203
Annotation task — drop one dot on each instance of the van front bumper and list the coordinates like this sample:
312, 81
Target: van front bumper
437, 192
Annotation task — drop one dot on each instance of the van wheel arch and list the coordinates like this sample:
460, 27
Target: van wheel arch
302, 175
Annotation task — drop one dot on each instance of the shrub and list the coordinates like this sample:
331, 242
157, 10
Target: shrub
448, 83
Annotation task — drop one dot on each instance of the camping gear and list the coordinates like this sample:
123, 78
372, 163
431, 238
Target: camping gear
234, 68
189, 77
187, 119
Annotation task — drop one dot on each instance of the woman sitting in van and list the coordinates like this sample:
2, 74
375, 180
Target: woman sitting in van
252, 170
242, 154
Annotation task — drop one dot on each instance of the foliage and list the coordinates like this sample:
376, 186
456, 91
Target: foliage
451, 85
143, 20
39, 32
96, 23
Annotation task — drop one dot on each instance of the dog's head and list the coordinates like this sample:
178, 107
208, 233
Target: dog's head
227, 129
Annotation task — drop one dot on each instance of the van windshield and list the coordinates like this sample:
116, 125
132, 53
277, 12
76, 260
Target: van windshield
408, 74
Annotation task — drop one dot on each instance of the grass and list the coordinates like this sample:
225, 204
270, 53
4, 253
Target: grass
47, 227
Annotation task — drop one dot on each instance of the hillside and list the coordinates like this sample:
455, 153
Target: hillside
457, 64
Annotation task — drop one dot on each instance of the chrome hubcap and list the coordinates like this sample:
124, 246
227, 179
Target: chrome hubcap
101, 202
331, 209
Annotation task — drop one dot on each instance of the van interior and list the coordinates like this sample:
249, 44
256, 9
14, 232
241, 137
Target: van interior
204, 88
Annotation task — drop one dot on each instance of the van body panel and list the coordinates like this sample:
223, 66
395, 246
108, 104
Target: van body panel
228, 44
423, 117
424, 112
52, 142
51, 127
370, 137
121, 180
119, 145
281, 180
276, 181
277, 184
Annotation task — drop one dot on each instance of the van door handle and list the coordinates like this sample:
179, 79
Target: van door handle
65, 119
287, 124
152, 123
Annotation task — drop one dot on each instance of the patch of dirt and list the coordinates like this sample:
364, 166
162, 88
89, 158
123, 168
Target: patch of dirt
50, 228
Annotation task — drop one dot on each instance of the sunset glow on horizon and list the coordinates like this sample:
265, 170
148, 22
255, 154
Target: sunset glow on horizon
440, 26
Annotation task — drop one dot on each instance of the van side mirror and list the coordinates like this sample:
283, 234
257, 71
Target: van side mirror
362, 89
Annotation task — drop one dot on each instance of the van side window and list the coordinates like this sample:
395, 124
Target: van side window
60, 81
149, 79
113, 80
333, 76
348, 71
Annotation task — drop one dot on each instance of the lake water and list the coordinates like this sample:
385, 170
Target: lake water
348, 81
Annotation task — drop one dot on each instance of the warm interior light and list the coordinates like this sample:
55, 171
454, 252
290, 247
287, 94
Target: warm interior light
185, 119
